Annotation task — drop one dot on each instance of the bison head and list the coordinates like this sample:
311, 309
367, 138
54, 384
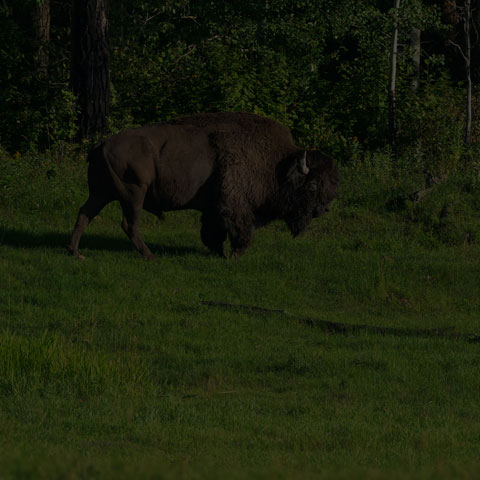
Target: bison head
309, 186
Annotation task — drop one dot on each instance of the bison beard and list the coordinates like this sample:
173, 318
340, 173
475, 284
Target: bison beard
240, 170
299, 211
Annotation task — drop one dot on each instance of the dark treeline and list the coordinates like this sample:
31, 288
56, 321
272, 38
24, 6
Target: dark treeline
322, 67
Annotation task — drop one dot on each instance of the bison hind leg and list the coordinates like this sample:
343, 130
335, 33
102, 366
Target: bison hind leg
132, 209
88, 211
214, 233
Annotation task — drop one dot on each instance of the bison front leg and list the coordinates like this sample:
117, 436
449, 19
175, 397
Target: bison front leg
240, 235
214, 232
132, 210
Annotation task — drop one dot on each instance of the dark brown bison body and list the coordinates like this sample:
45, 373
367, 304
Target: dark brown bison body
240, 170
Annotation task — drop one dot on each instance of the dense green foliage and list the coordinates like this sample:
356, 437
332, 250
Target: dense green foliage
321, 67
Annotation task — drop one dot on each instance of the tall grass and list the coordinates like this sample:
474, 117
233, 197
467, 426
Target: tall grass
50, 364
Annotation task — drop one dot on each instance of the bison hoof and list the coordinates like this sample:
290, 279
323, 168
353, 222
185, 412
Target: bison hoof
75, 253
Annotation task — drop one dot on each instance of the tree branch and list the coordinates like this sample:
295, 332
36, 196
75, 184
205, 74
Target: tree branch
151, 17
459, 49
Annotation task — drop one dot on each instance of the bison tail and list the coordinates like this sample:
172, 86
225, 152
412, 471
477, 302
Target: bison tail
102, 180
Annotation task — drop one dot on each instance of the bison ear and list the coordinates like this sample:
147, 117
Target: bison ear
298, 171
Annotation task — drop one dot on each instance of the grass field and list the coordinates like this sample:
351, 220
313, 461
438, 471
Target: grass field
113, 368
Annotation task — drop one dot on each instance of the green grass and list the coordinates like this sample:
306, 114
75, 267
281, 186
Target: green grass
112, 368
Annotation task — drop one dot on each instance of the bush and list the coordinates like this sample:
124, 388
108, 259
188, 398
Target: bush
432, 126
36, 117
41, 183
446, 208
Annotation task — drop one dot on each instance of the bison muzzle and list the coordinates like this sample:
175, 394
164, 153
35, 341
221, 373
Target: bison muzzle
240, 170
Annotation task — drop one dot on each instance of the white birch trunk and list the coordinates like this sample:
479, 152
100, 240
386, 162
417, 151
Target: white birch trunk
393, 77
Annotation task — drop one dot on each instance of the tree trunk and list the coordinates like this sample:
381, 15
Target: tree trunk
90, 72
415, 41
391, 91
41, 22
475, 53
468, 77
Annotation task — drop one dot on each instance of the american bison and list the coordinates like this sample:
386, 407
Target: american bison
240, 170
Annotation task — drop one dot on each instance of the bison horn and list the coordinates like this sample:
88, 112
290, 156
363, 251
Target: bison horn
302, 164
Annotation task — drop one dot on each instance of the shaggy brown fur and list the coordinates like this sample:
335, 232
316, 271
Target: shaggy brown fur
241, 170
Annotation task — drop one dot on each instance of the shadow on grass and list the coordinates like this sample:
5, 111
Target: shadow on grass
27, 239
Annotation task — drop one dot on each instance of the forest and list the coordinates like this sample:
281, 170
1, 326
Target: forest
322, 67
